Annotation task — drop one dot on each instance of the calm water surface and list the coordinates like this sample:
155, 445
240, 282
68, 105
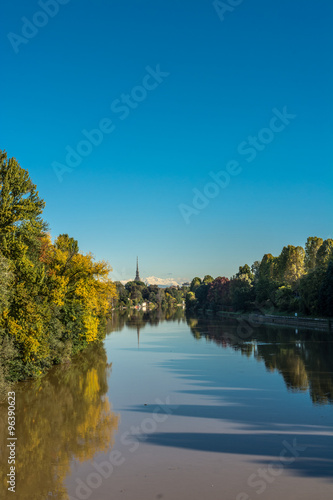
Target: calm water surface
175, 407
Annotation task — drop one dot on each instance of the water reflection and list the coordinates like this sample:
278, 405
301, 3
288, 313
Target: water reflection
139, 319
303, 358
63, 416
225, 404
66, 416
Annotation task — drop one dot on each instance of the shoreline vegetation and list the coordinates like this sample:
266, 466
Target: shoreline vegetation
55, 301
299, 282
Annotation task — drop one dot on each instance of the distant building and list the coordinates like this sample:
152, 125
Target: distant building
137, 276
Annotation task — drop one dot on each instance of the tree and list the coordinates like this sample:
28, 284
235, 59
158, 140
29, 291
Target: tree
241, 294
312, 246
207, 279
245, 274
267, 281
291, 264
285, 299
122, 293
324, 254
218, 293
53, 300
195, 283
309, 287
190, 300
268, 267
6, 281
20, 208
255, 269
169, 299
325, 294
201, 294
136, 296
175, 292
136, 290
25, 318
153, 293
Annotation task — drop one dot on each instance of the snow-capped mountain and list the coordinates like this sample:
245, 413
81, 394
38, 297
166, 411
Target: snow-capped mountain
153, 280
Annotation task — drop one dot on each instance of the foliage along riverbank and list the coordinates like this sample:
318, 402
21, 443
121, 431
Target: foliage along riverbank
54, 300
136, 293
297, 281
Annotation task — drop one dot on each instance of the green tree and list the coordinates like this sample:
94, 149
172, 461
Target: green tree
309, 287
153, 293
27, 314
20, 209
268, 280
255, 269
195, 283
6, 281
291, 265
190, 300
135, 290
241, 294
325, 295
312, 246
324, 254
201, 294
122, 294
245, 274
285, 299
208, 279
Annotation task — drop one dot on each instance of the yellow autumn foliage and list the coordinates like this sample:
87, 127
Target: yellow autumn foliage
65, 293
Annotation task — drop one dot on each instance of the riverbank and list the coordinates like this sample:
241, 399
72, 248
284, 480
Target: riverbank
320, 324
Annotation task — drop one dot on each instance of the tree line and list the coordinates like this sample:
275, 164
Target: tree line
54, 300
135, 293
299, 280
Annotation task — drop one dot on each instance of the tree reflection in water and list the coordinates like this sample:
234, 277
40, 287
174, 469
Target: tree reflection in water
304, 359
59, 418
139, 319
66, 416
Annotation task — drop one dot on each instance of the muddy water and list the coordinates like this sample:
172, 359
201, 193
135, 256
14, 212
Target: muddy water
179, 408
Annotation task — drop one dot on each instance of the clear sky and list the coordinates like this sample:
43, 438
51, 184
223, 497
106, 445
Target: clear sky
179, 90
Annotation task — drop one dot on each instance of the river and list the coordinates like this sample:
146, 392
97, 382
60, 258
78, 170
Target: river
176, 407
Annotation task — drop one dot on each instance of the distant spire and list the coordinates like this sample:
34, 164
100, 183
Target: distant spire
137, 276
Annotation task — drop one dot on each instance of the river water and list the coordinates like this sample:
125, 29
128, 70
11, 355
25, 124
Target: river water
170, 407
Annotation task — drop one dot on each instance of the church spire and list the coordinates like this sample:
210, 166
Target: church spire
137, 276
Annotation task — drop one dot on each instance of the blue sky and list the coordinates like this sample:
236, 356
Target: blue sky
222, 79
